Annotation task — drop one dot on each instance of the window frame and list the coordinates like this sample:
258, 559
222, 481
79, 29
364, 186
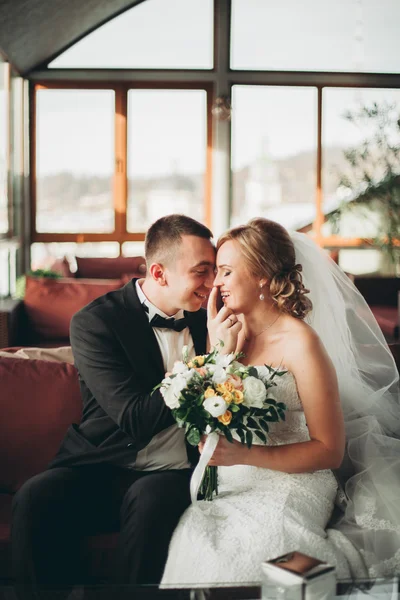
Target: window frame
218, 82
120, 177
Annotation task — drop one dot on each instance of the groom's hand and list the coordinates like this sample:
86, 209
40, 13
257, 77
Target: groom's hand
223, 325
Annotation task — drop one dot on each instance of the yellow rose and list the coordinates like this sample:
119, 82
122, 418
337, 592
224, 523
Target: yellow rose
237, 397
197, 361
229, 386
226, 418
209, 393
227, 396
220, 387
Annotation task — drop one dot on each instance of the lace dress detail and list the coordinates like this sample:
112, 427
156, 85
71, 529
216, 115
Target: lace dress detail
260, 514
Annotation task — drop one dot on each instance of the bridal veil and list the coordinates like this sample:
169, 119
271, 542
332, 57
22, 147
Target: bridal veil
369, 391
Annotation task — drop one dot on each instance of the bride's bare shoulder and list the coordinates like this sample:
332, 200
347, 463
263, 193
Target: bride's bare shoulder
301, 336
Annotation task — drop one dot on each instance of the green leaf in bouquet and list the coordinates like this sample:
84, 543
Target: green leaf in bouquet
252, 423
234, 408
282, 415
228, 435
272, 412
264, 425
271, 401
240, 433
281, 405
181, 413
249, 438
261, 435
193, 437
252, 372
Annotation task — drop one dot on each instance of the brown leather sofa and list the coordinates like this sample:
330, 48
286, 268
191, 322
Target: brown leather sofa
39, 400
42, 318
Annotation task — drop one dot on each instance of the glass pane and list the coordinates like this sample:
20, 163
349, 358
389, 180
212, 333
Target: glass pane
274, 154
4, 98
167, 139
155, 34
341, 135
321, 35
366, 262
74, 161
44, 255
133, 249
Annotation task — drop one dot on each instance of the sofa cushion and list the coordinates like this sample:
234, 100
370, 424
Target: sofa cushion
38, 402
110, 268
51, 303
62, 266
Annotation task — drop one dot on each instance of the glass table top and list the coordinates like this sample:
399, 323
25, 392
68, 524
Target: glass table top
379, 589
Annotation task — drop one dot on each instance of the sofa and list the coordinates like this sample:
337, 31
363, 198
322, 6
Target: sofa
39, 399
80, 267
42, 318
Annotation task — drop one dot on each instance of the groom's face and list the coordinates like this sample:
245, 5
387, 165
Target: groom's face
190, 274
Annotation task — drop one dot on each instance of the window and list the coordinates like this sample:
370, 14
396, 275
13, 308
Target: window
318, 35
74, 160
111, 161
339, 135
44, 255
274, 154
4, 146
156, 34
167, 144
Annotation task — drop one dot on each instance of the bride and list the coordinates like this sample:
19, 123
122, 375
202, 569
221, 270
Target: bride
337, 448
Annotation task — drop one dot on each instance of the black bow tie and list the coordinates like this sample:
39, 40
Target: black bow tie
171, 323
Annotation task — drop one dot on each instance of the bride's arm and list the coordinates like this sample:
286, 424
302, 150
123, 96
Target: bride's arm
318, 389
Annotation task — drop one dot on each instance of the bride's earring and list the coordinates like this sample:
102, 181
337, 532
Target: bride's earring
261, 296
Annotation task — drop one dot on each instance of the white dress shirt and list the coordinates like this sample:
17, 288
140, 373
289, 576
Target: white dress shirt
167, 449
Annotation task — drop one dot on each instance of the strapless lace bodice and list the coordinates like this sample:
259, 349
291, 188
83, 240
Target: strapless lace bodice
294, 427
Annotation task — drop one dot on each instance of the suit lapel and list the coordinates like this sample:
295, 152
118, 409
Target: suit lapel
144, 343
198, 329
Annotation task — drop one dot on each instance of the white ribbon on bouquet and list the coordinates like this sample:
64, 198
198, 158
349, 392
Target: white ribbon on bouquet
198, 473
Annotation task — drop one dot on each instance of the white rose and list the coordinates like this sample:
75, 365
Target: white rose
188, 375
219, 375
254, 392
215, 405
263, 373
224, 360
173, 391
179, 367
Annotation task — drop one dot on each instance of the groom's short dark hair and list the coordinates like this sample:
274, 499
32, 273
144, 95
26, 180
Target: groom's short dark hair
164, 236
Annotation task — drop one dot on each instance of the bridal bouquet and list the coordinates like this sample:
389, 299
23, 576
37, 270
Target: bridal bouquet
216, 395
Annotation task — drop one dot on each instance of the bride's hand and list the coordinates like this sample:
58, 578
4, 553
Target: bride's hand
226, 453
222, 325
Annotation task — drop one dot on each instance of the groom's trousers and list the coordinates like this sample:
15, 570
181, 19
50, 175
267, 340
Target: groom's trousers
54, 510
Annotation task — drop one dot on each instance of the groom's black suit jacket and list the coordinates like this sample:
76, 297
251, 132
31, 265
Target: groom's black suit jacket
119, 363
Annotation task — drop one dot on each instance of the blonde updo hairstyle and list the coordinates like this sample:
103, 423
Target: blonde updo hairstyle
269, 253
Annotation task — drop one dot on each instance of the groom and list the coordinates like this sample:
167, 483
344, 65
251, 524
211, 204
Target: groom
126, 465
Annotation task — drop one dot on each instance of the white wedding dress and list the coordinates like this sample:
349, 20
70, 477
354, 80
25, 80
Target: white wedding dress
260, 514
